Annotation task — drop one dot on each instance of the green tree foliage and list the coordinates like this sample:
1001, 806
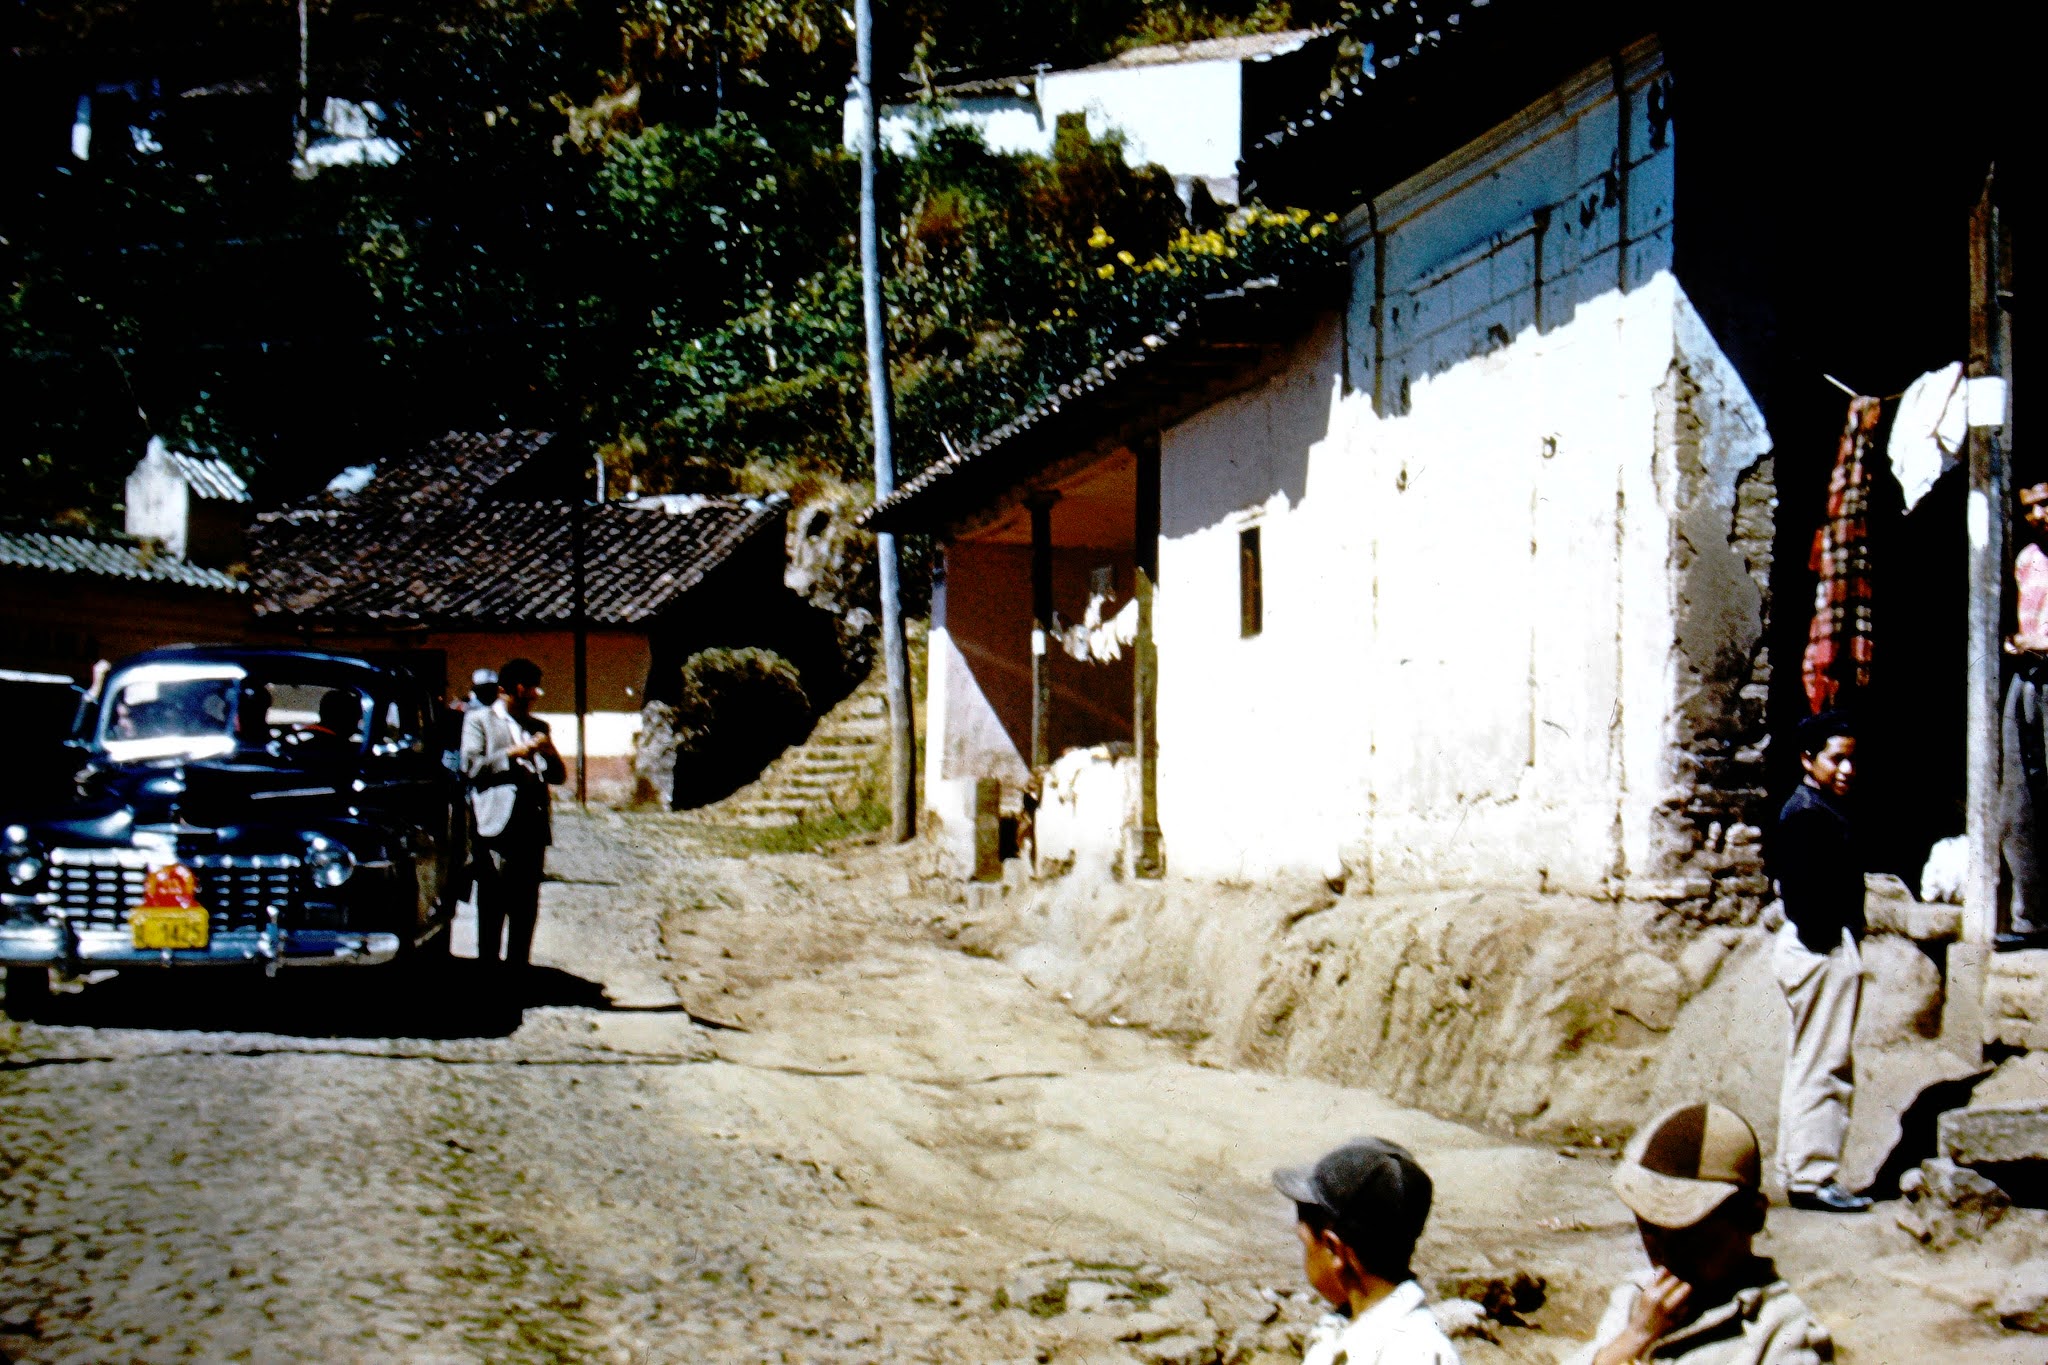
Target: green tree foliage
630, 221
739, 708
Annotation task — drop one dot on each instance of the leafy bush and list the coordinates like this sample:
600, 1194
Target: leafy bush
739, 709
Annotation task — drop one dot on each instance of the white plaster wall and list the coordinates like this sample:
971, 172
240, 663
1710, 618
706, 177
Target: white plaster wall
1261, 740
1090, 798
1184, 116
964, 741
611, 733
157, 501
1467, 675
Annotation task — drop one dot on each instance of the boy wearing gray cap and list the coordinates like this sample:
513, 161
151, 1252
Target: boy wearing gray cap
1359, 1212
1692, 1176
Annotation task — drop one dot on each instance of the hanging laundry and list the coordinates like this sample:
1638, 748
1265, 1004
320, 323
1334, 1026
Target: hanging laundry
1838, 643
1928, 430
1101, 636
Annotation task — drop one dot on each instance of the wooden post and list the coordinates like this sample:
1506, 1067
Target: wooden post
580, 624
988, 829
1987, 517
1041, 628
1147, 859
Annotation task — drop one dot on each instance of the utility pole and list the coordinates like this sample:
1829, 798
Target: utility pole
300, 131
881, 403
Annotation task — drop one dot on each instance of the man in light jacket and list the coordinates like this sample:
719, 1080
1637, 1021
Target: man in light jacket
510, 761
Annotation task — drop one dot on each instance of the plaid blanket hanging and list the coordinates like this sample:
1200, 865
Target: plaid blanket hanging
1838, 643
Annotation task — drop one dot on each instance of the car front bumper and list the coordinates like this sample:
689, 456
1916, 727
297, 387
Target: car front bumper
69, 946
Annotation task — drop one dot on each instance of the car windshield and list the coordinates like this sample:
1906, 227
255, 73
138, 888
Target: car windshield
177, 710
170, 711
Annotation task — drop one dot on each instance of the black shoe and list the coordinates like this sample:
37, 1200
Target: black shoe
1829, 1198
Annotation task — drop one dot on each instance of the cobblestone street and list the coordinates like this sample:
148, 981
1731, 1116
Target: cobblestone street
211, 1170
749, 1109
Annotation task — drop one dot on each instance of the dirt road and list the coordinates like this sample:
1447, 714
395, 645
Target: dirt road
750, 1109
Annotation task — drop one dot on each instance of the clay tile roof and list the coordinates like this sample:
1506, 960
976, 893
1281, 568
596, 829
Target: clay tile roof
1432, 75
425, 541
106, 557
1236, 48
208, 476
1153, 382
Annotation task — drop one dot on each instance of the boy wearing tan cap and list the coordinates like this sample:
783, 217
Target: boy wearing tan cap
1693, 1178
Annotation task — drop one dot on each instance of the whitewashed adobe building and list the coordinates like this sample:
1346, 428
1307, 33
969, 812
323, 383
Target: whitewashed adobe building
1418, 612
1463, 561
1186, 107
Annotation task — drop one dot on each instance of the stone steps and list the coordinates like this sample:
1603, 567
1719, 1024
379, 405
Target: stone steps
2016, 999
823, 775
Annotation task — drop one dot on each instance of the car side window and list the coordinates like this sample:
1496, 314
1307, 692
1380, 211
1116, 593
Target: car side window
401, 728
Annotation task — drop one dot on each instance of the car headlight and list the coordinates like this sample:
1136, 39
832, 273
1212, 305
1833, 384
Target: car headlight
329, 863
24, 860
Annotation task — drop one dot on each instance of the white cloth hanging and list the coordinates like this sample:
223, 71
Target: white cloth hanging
1928, 430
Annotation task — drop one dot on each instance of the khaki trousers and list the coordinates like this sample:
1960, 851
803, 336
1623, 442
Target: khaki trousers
1824, 991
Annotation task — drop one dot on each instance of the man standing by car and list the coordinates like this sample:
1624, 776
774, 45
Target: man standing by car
510, 761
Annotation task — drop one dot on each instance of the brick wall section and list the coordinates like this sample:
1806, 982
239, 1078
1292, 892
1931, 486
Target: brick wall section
1711, 842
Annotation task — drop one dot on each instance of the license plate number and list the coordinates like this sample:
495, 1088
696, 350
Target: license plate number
159, 927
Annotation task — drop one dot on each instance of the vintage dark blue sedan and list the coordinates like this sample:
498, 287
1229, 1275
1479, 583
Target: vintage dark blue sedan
238, 807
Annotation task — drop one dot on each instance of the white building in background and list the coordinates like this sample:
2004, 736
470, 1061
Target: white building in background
195, 506
349, 133
1180, 106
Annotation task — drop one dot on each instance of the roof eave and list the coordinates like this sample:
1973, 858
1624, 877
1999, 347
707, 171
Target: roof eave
1226, 344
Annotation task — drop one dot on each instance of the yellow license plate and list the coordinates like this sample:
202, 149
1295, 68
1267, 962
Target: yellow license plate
156, 927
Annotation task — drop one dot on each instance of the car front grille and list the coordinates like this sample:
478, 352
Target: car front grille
96, 887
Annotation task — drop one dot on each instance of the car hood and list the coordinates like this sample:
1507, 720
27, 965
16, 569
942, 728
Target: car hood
213, 793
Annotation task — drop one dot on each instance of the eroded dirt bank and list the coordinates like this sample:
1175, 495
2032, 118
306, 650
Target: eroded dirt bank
1058, 1120
1557, 1019
755, 1109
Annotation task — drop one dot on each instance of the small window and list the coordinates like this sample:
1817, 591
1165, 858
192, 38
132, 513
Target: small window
1251, 590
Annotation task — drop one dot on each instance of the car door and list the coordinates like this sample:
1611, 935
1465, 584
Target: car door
410, 792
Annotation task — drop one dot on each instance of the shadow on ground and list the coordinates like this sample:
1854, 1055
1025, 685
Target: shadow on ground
447, 999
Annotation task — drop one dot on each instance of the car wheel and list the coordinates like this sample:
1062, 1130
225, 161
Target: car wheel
27, 991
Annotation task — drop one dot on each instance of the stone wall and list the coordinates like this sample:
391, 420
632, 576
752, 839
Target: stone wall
1723, 500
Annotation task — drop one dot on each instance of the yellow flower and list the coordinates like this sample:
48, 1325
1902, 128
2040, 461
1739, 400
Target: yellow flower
1100, 239
1127, 258
1105, 271
1316, 230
